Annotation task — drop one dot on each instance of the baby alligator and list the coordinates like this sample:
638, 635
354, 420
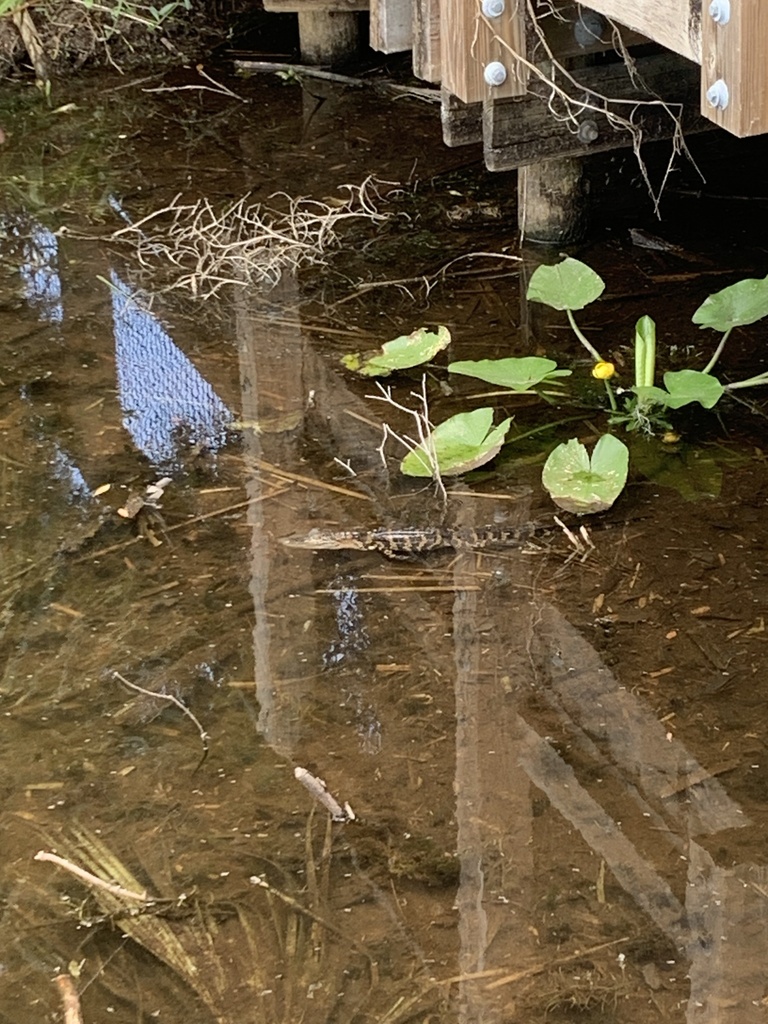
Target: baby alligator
409, 541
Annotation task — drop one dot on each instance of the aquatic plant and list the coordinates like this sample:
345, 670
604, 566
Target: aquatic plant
573, 285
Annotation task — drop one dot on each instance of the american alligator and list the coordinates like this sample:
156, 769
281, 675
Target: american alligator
409, 541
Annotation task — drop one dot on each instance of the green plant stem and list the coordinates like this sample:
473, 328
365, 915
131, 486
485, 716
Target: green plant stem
751, 382
543, 427
611, 396
710, 365
584, 341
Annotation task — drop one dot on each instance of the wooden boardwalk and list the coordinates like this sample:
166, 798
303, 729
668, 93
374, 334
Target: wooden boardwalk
537, 79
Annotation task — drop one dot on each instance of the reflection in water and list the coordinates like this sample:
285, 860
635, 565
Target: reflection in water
65, 469
39, 271
353, 637
167, 402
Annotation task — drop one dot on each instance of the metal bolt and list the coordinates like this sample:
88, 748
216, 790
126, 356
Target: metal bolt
495, 73
720, 11
717, 95
588, 28
588, 132
494, 8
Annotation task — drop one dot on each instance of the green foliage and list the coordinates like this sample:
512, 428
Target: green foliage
582, 484
457, 445
399, 354
518, 374
645, 352
735, 306
568, 285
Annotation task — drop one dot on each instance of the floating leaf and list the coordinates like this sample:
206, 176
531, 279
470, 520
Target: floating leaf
568, 285
399, 354
738, 304
580, 484
686, 386
516, 373
461, 443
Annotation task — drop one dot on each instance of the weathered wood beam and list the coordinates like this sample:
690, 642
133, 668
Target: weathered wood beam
426, 40
474, 44
734, 66
391, 25
295, 6
326, 37
675, 24
523, 131
462, 123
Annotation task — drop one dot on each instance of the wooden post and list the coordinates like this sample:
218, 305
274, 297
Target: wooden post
326, 37
551, 198
471, 41
391, 25
734, 90
426, 40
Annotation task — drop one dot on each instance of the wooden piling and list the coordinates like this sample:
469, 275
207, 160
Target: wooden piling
552, 202
327, 37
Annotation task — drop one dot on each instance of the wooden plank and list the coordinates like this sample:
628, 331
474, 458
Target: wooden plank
462, 122
736, 54
426, 40
675, 24
297, 6
391, 25
470, 42
517, 132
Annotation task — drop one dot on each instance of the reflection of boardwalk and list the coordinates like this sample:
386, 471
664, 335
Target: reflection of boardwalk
167, 402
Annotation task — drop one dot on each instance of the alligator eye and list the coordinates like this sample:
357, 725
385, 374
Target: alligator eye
603, 370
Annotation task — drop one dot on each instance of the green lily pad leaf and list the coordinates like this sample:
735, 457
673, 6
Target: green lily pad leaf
683, 387
580, 484
461, 443
739, 304
399, 354
568, 285
518, 374
686, 386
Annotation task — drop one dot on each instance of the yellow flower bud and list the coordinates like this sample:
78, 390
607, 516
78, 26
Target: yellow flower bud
603, 370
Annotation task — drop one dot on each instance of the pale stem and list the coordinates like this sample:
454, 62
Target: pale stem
584, 341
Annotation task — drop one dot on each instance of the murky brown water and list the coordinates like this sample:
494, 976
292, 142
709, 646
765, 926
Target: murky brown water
557, 764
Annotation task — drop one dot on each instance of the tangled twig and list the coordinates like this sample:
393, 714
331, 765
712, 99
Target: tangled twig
246, 242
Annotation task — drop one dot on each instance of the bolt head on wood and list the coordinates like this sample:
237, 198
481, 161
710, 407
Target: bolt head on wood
720, 11
493, 8
495, 73
717, 95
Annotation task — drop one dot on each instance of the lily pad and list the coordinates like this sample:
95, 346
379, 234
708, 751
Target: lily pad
458, 444
516, 373
399, 354
582, 484
686, 386
738, 304
570, 284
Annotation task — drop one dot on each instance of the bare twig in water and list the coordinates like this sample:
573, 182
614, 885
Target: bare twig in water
299, 71
70, 1000
91, 879
425, 444
245, 242
215, 86
427, 281
177, 703
319, 791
